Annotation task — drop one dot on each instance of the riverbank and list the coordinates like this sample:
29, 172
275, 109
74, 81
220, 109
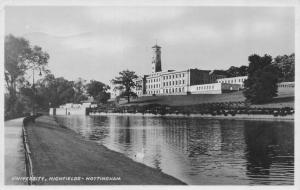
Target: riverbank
60, 152
285, 98
208, 116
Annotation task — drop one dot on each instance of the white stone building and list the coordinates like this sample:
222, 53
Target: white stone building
190, 81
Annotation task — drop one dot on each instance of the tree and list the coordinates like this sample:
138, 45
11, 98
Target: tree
19, 58
233, 71
286, 64
124, 83
221, 72
237, 71
243, 70
14, 49
98, 91
80, 90
54, 91
261, 85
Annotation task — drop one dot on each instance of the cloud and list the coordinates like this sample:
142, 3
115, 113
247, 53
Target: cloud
58, 29
133, 14
101, 44
190, 34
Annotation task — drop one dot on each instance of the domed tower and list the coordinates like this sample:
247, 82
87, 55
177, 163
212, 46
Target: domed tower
156, 59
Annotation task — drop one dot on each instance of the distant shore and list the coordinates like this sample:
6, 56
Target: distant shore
60, 152
208, 116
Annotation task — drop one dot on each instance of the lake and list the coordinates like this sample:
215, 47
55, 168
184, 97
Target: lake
198, 151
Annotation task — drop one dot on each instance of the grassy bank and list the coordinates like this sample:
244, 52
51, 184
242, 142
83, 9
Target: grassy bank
58, 151
285, 98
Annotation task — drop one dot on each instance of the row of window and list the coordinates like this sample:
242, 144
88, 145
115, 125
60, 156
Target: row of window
167, 91
173, 76
153, 86
153, 92
165, 78
209, 87
286, 85
170, 83
179, 82
232, 81
173, 90
153, 80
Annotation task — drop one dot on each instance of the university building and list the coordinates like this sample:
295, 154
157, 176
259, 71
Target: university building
190, 81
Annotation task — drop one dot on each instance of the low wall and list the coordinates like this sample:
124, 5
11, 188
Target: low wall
237, 116
67, 111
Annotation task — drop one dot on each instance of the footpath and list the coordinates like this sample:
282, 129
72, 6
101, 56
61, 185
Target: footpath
61, 156
14, 152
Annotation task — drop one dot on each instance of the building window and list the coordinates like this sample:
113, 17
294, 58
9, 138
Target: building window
182, 81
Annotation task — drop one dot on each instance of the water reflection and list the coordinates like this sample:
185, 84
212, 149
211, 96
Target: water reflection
270, 152
198, 151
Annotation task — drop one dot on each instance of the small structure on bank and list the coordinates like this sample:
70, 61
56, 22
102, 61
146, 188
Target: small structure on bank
72, 109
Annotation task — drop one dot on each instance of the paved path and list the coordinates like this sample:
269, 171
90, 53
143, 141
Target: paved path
58, 151
14, 152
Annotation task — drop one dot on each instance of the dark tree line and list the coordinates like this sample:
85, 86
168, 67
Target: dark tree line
233, 71
263, 76
22, 63
285, 64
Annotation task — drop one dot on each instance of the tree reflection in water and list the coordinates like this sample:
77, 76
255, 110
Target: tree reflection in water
267, 146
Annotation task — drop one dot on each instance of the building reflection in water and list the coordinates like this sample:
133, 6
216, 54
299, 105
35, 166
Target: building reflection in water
198, 151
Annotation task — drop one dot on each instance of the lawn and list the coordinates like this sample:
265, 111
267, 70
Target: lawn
285, 98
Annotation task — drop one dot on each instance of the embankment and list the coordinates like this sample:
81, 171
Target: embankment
60, 152
208, 116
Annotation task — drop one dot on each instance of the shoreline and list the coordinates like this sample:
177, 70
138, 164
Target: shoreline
61, 152
289, 118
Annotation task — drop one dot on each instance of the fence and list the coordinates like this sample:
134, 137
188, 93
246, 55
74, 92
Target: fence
28, 161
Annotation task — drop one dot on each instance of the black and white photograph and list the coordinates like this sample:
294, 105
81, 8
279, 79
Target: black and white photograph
172, 95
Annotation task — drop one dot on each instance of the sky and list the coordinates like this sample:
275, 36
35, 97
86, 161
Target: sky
96, 43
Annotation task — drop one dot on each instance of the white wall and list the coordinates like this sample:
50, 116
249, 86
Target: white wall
67, 111
214, 88
233, 80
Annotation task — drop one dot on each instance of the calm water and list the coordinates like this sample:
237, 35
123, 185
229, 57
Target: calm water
198, 151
